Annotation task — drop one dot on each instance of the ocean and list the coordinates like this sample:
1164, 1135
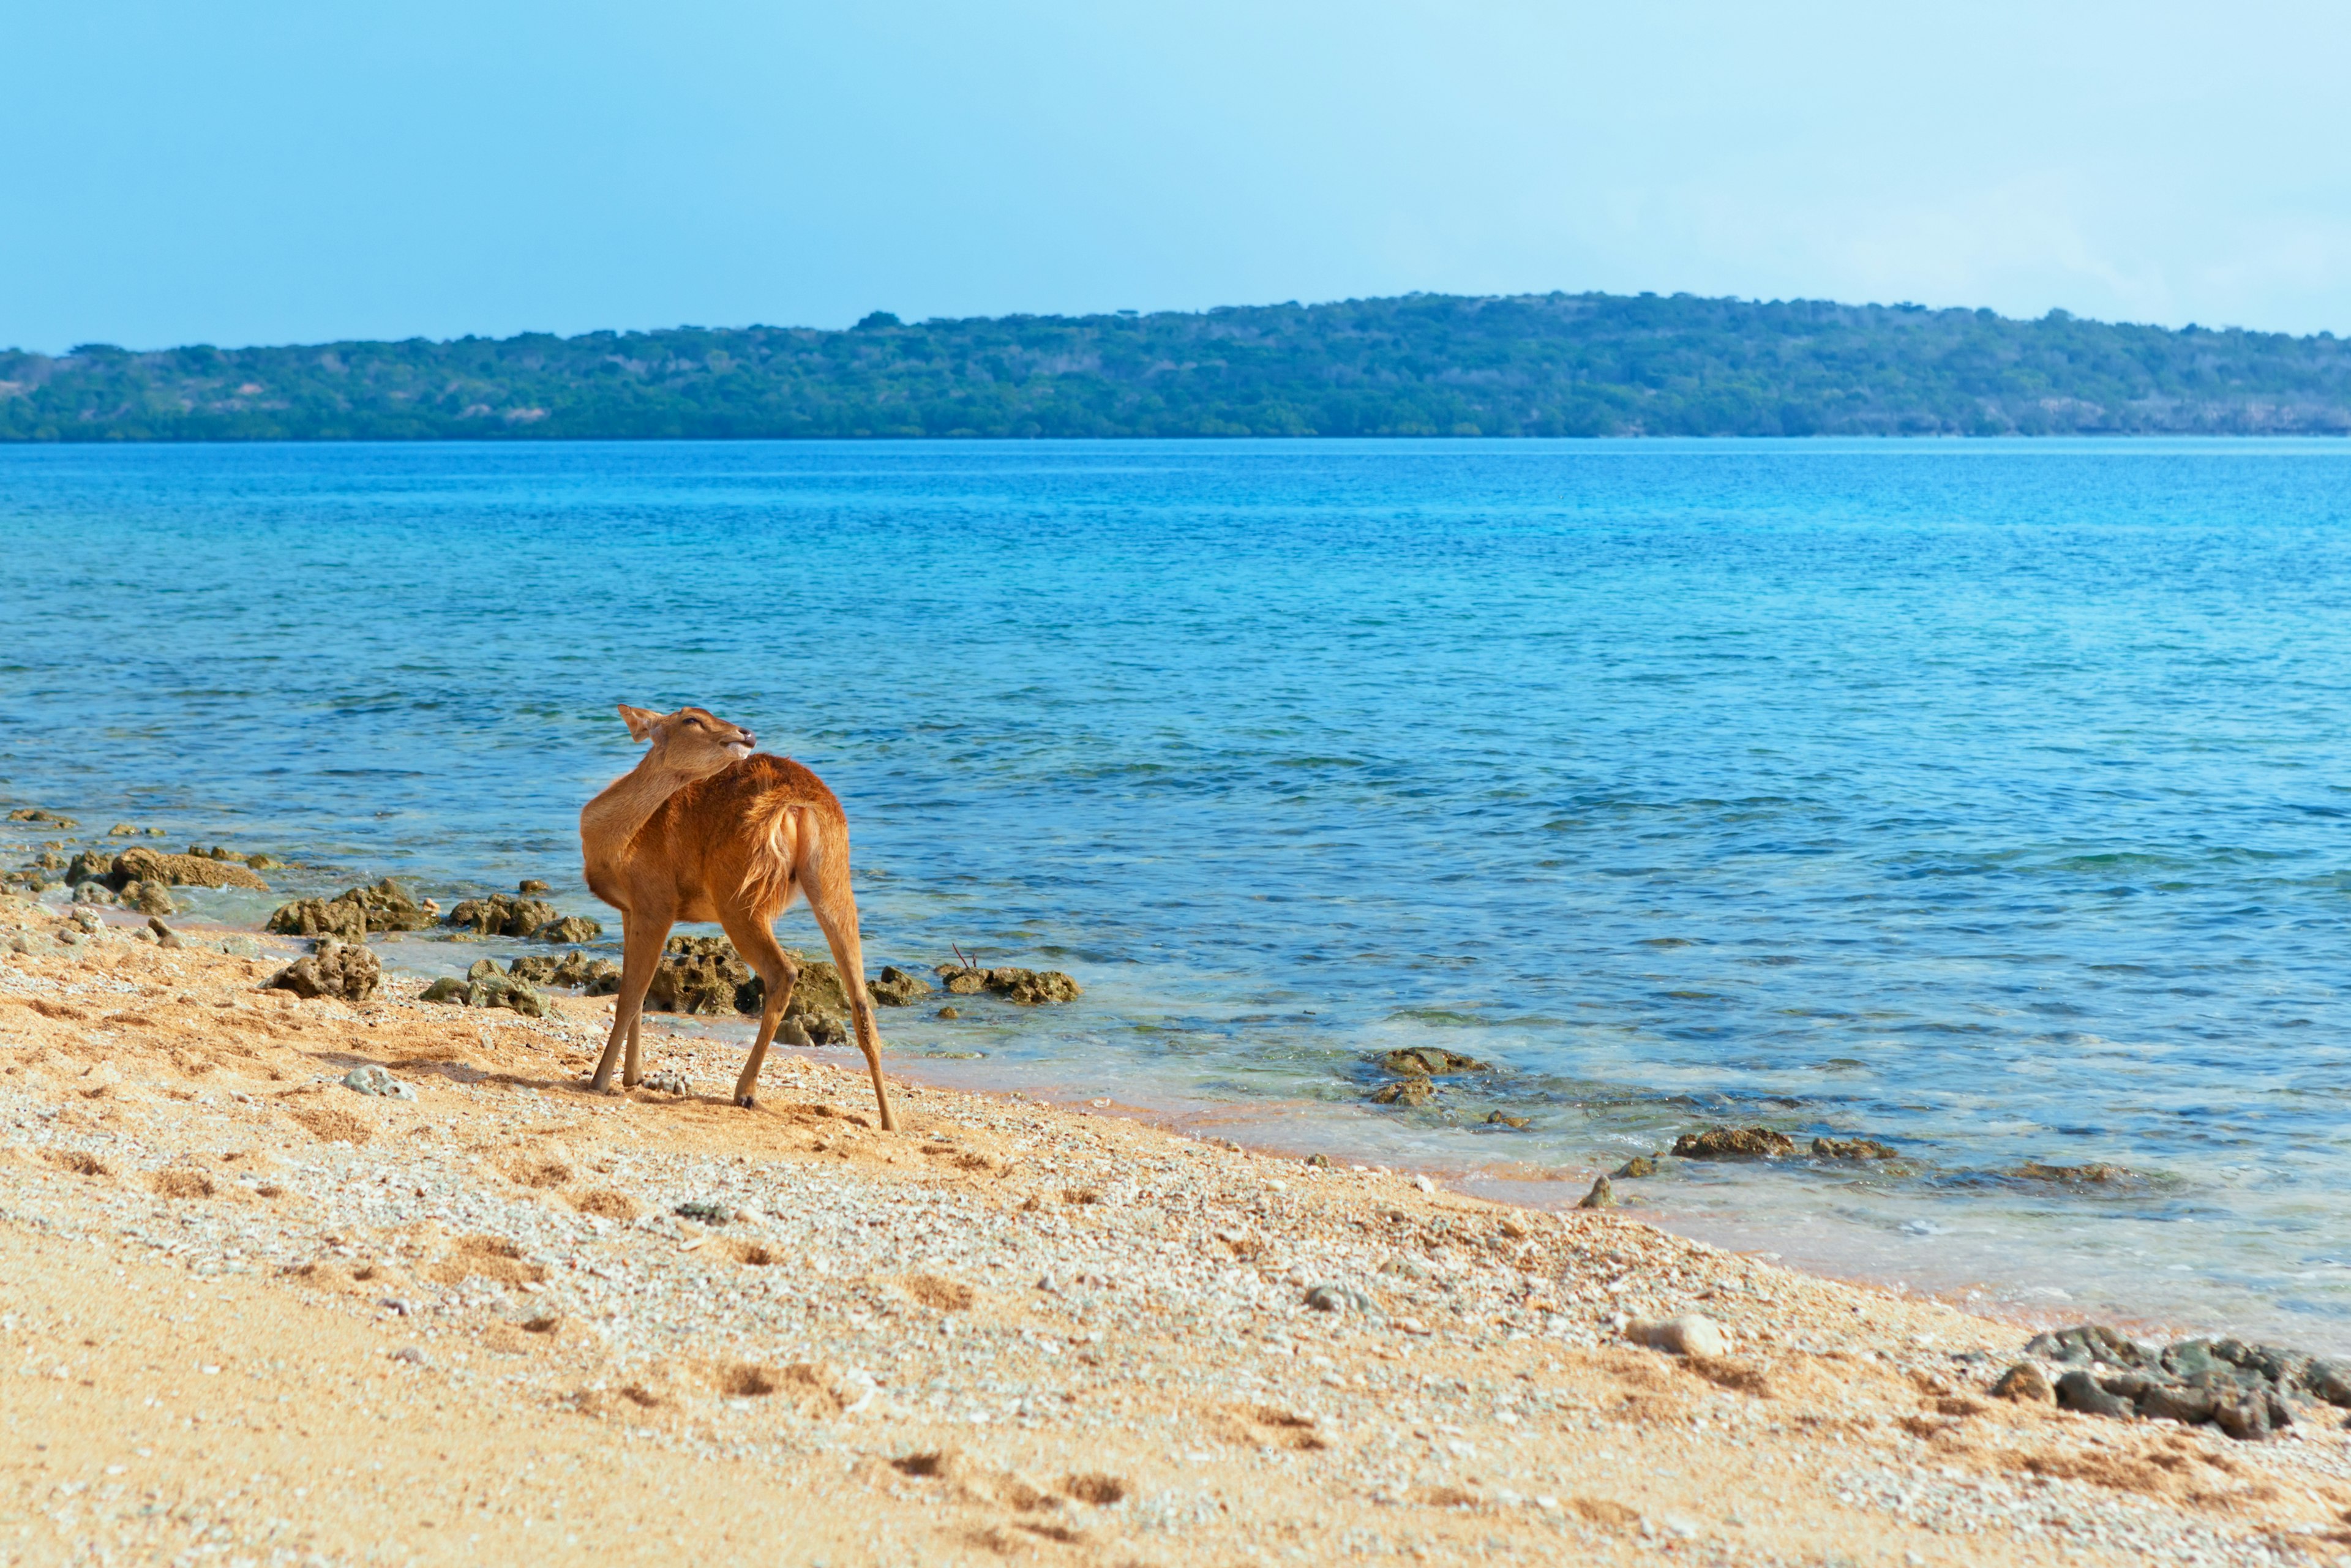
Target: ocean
1991, 799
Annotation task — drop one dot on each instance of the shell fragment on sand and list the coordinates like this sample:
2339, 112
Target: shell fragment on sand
371, 1079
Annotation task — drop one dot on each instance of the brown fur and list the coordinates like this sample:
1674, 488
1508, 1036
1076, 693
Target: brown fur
704, 830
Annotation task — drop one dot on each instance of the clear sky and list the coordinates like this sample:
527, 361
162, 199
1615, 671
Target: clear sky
247, 170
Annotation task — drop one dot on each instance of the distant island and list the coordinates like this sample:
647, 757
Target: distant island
1423, 365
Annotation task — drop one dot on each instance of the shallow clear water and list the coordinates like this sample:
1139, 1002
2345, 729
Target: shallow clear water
1991, 799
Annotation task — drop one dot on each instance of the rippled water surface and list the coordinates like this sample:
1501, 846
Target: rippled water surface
1990, 800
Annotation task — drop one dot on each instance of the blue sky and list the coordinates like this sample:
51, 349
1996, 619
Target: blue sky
239, 172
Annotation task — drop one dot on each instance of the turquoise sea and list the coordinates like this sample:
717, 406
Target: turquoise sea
1993, 799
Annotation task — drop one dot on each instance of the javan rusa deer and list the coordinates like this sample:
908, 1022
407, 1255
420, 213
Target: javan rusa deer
705, 829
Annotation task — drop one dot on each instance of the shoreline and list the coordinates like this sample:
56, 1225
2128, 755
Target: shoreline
1014, 1330
1487, 1181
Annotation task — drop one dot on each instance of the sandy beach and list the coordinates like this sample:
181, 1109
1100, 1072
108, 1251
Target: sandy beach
251, 1313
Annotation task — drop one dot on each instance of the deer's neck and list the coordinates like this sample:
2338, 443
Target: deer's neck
608, 821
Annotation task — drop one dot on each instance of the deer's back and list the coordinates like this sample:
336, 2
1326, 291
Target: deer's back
704, 840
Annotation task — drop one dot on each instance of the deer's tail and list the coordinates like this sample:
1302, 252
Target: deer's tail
780, 830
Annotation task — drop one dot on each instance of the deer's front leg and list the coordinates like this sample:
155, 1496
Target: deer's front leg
641, 943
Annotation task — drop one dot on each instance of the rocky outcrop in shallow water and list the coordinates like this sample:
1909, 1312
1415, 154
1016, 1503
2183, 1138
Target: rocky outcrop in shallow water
1027, 988
702, 975
706, 975
1428, 1060
354, 912
513, 914
319, 917
391, 907
147, 897
2248, 1390
896, 988
503, 914
180, 871
596, 976
1851, 1149
1734, 1144
2094, 1175
1417, 1068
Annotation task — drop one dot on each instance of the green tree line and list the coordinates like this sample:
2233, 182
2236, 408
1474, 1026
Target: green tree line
1551, 364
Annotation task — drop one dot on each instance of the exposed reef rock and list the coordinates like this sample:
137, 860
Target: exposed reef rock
535, 968
897, 988
503, 914
596, 976
1416, 1069
145, 864
486, 987
345, 971
1029, 988
702, 975
391, 907
1427, 1061
2248, 1390
706, 975
147, 898
355, 912
1733, 1143
1851, 1149
2089, 1174
512, 915
319, 917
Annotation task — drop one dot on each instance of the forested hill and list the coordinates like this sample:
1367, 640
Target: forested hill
1555, 364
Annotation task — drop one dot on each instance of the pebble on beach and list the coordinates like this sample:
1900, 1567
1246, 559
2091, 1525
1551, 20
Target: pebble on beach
1688, 1335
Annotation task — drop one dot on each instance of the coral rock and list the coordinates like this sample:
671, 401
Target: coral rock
1733, 1143
180, 871
346, 972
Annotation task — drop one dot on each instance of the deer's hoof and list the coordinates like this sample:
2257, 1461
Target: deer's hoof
749, 1102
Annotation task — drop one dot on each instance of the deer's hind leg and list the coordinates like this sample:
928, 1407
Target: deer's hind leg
755, 941
829, 900
640, 950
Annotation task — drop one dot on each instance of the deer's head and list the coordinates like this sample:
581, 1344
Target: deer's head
692, 742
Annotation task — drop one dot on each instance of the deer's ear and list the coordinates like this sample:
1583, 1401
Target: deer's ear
640, 720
